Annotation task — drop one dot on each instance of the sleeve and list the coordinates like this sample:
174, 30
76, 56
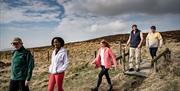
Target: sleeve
113, 57
147, 40
30, 66
160, 39
65, 65
97, 59
159, 36
97, 56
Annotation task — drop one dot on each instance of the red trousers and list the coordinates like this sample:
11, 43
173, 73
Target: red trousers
56, 79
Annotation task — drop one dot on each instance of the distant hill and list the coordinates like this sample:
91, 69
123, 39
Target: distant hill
174, 34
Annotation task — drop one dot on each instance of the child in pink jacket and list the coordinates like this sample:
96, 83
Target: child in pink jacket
104, 59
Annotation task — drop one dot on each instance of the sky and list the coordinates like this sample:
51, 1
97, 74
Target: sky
38, 21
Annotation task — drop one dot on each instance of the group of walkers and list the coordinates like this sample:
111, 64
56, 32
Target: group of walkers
104, 56
153, 41
23, 63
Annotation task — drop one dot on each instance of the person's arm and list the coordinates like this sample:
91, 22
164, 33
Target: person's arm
128, 42
30, 66
94, 61
160, 40
113, 57
65, 64
147, 40
30, 60
142, 39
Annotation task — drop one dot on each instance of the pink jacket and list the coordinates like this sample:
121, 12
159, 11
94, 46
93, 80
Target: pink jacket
109, 58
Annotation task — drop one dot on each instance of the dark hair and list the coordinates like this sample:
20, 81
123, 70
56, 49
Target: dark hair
106, 43
153, 27
60, 40
134, 25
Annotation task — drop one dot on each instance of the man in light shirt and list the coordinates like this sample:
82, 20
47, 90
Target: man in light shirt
153, 41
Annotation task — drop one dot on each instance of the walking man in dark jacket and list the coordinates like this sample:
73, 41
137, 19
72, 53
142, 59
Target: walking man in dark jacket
21, 67
135, 40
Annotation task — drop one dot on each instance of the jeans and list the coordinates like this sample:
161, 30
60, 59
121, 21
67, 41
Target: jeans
104, 71
153, 51
16, 85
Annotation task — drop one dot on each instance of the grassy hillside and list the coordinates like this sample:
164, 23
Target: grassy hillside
81, 76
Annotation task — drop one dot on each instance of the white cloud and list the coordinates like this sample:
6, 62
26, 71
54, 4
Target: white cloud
119, 7
87, 19
19, 14
111, 27
82, 28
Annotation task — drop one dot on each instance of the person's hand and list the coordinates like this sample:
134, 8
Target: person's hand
92, 63
126, 46
139, 46
26, 83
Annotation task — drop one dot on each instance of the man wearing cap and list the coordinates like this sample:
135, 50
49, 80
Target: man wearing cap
153, 41
21, 67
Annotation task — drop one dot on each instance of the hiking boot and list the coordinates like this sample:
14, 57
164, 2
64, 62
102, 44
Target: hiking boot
131, 69
110, 88
94, 89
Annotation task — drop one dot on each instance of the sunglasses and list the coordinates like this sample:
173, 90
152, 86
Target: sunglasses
15, 43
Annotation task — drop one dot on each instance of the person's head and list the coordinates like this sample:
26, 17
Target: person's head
134, 27
153, 29
104, 43
17, 43
57, 42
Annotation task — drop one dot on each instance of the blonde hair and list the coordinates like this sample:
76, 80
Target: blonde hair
106, 43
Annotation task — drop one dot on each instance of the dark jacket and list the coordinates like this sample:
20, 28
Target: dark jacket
135, 39
22, 64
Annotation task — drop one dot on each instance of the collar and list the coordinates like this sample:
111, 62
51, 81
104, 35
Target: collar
62, 49
20, 49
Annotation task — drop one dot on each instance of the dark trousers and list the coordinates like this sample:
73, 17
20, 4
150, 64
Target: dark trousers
16, 85
104, 71
153, 51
